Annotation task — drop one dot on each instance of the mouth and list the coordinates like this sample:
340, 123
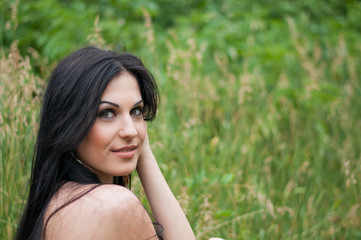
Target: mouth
125, 152
125, 148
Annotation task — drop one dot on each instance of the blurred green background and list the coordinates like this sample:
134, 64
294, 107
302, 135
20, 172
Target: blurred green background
258, 131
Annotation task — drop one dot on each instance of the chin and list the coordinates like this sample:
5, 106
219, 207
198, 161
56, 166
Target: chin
126, 171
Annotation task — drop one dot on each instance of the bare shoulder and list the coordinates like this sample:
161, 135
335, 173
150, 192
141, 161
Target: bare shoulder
101, 212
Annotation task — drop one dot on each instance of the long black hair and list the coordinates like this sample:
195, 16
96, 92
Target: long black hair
70, 106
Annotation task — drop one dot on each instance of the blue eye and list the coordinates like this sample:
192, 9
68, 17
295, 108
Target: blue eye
137, 112
107, 114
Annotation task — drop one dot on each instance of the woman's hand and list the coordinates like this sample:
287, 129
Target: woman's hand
166, 210
146, 153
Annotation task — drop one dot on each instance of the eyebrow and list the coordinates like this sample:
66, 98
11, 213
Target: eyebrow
116, 105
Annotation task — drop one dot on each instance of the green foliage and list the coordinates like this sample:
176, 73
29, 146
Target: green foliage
258, 128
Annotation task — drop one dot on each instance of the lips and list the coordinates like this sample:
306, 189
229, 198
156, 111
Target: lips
125, 152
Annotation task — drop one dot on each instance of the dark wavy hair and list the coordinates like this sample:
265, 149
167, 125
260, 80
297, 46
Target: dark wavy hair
69, 111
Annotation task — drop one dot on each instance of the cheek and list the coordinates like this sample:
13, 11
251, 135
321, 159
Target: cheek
142, 131
96, 139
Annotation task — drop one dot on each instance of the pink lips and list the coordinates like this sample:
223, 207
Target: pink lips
125, 152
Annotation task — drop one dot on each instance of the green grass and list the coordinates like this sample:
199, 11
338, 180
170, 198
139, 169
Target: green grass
264, 146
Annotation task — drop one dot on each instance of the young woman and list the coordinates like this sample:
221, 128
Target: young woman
92, 136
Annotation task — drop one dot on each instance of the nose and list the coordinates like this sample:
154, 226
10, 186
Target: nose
127, 128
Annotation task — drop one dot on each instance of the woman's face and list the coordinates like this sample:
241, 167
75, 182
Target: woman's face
114, 143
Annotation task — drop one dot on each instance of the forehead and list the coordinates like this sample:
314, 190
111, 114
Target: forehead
124, 86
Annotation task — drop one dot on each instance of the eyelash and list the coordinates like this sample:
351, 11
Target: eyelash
104, 114
106, 111
140, 109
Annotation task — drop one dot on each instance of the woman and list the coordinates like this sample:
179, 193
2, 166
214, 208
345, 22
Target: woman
92, 136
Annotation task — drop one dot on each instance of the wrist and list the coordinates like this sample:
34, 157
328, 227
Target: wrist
145, 161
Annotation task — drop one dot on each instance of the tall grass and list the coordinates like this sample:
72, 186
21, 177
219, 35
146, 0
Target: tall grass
20, 92
248, 155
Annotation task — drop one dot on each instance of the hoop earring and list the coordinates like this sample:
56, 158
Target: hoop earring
77, 159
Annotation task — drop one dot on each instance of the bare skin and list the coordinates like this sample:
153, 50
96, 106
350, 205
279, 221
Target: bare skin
107, 212
114, 212
165, 207
117, 145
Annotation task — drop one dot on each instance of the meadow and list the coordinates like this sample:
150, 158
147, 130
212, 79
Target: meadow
258, 130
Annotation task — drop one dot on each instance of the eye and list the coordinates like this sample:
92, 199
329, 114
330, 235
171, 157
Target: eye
106, 114
137, 112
